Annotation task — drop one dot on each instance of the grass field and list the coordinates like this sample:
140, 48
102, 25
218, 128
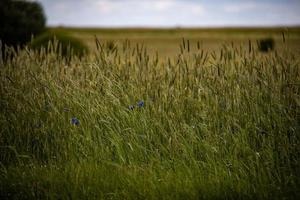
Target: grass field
166, 41
211, 121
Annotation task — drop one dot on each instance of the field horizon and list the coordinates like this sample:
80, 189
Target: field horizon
165, 41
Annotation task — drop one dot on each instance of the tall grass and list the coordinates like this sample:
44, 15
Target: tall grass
214, 125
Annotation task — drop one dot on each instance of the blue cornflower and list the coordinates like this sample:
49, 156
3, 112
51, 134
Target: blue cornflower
75, 121
34, 142
131, 107
140, 104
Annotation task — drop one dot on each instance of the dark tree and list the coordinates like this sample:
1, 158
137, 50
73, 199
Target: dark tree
19, 20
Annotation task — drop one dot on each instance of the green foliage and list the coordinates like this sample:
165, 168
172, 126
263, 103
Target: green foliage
19, 20
265, 45
213, 126
61, 43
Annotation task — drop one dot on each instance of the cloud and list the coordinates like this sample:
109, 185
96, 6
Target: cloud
149, 6
148, 13
239, 7
163, 5
105, 6
171, 12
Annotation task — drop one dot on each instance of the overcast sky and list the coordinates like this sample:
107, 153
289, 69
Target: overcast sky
171, 13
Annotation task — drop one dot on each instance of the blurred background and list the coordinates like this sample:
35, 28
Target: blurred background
158, 24
171, 13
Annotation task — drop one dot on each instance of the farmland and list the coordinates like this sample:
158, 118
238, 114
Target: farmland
208, 116
166, 41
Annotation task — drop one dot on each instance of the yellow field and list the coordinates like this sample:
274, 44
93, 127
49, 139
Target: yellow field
166, 41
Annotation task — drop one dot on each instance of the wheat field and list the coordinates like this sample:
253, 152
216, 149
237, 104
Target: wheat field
127, 123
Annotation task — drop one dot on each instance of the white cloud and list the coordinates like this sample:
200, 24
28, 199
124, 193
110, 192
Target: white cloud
198, 10
149, 13
239, 7
171, 12
109, 6
163, 5
105, 6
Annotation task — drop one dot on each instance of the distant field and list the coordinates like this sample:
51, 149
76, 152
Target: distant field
166, 41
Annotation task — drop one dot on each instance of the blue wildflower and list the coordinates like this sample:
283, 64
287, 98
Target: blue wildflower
131, 107
34, 142
75, 121
140, 104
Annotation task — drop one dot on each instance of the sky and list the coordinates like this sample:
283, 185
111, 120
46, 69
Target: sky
171, 13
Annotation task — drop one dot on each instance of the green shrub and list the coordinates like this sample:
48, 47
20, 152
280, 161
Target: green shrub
265, 45
61, 43
19, 20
